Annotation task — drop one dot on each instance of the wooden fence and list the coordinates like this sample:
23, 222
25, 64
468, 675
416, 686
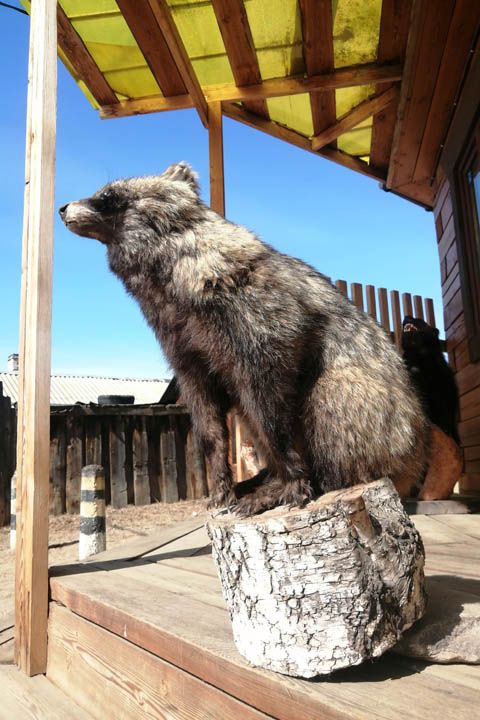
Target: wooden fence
149, 453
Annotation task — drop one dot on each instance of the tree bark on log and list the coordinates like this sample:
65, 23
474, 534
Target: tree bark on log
315, 589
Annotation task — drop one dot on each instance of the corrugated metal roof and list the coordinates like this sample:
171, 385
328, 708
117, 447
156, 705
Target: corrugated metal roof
70, 389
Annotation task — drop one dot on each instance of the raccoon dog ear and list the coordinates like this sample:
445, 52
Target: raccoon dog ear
182, 172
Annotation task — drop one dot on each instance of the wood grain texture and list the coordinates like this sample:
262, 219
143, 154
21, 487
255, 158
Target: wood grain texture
215, 149
150, 39
397, 317
90, 664
462, 32
153, 617
237, 37
353, 117
317, 32
394, 25
425, 47
35, 698
141, 480
163, 16
277, 87
80, 59
31, 595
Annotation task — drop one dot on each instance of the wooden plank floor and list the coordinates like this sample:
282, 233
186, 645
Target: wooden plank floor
165, 598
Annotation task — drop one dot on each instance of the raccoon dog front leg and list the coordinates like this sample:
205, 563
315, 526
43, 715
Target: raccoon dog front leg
208, 407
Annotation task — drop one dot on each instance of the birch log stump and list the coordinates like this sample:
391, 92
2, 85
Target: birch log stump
315, 589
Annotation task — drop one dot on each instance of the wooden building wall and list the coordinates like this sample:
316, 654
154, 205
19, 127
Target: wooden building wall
467, 373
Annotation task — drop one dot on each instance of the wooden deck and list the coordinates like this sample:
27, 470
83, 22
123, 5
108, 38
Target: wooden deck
143, 632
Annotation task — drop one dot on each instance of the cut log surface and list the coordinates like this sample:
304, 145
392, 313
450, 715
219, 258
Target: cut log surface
315, 589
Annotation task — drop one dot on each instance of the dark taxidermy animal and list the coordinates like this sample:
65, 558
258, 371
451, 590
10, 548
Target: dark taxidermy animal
431, 374
320, 384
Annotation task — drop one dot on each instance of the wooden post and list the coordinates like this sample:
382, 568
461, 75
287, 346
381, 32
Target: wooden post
74, 457
58, 466
215, 144
118, 479
141, 481
383, 305
169, 462
418, 304
342, 286
371, 303
357, 295
397, 318
31, 581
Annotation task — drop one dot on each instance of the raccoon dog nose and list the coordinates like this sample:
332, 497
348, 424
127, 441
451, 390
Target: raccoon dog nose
63, 210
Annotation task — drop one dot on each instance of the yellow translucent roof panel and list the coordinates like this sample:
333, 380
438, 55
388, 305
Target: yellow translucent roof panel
197, 24
277, 35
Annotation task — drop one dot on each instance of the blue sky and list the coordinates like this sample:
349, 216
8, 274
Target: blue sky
337, 220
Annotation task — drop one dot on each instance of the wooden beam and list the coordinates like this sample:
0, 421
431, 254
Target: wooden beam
394, 25
144, 106
143, 25
317, 32
163, 16
276, 87
237, 37
462, 34
297, 84
83, 65
280, 132
31, 581
425, 46
215, 144
356, 115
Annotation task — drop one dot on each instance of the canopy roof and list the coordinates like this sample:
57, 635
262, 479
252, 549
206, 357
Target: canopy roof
322, 74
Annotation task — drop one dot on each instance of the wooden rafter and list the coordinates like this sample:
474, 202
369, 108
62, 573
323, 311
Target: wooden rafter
276, 87
358, 114
81, 61
144, 106
237, 37
394, 25
425, 46
317, 31
175, 44
141, 21
462, 36
235, 112
297, 84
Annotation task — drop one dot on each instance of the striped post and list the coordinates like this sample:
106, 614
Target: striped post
13, 512
92, 512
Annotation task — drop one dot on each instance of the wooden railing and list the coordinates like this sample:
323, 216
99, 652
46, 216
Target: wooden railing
389, 314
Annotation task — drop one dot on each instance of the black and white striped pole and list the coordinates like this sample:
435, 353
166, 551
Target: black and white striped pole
13, 512
92, 512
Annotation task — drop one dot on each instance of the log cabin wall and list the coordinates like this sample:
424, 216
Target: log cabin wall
467, 373
459, 254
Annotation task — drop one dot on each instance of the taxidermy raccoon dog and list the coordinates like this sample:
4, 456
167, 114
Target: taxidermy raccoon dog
431, 374
319, 383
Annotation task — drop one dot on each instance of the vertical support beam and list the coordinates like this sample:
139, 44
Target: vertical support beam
31, 582
215, 145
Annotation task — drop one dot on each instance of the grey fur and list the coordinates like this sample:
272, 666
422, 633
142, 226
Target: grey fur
318, 381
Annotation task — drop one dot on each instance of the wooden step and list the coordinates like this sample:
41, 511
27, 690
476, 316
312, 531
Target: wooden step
36, 698
148, 635
111, 677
